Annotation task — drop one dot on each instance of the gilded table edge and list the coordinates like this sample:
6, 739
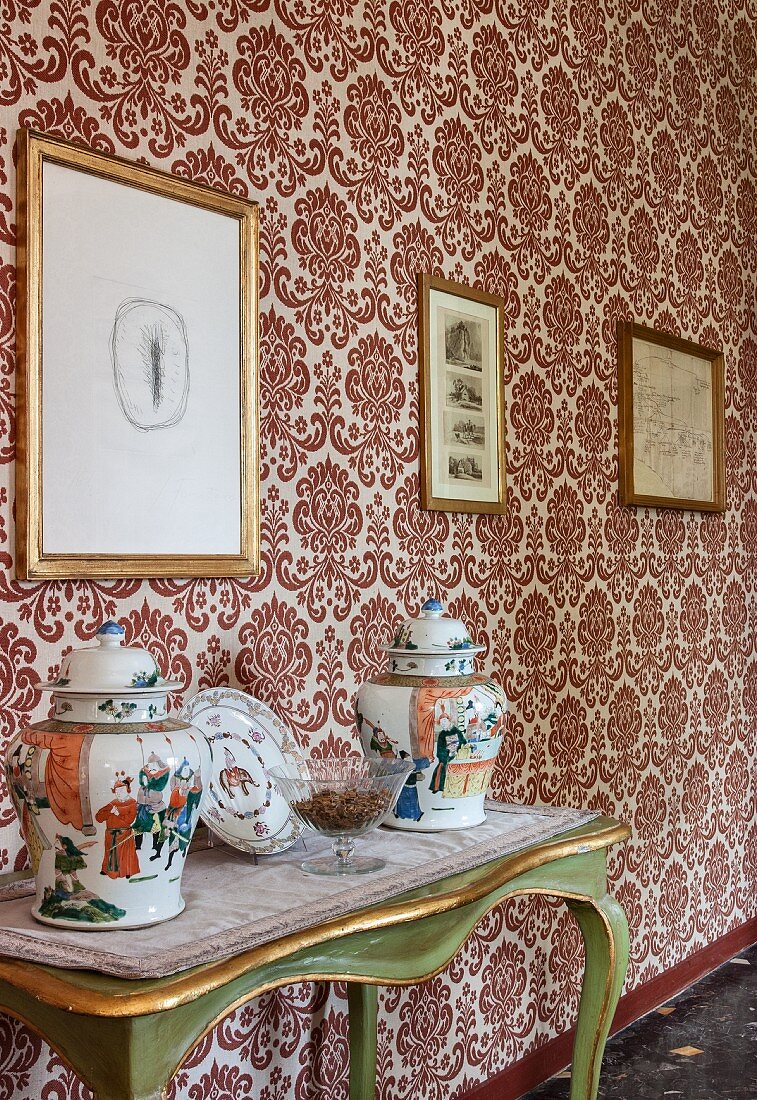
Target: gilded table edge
91, 994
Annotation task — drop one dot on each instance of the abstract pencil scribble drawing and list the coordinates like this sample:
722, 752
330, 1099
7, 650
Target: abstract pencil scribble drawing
150, 356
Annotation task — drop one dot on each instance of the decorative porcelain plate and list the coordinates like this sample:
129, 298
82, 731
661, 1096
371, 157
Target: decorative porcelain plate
243, 807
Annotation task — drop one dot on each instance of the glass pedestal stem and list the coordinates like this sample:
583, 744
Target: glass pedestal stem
343, 848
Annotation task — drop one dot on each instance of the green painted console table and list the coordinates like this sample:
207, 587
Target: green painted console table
126, 1038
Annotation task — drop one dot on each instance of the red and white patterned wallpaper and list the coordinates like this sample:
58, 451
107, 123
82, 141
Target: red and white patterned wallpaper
586, 160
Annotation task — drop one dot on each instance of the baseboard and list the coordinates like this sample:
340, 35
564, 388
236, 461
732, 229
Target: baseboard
638, 1002
543, 1062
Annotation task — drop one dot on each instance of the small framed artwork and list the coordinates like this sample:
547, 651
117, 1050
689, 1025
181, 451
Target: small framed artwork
461, 350
137, 372
671, 421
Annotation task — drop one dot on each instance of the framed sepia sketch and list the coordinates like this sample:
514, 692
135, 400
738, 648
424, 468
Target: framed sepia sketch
671, 421
137, 374
461, 352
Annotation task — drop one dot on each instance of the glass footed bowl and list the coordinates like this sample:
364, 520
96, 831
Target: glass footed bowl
342, 797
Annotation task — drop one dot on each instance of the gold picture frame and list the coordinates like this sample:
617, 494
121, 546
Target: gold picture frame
461, 346
137, 370
671, 421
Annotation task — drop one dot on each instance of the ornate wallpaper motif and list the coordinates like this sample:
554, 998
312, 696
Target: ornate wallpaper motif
587, 161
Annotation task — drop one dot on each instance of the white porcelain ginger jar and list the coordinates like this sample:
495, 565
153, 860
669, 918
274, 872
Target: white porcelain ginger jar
432, 707
108, 791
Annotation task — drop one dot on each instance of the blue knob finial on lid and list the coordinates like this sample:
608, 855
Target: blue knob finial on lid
432, 605
111, 628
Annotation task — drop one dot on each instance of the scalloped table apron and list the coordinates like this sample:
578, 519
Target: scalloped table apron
125, 1010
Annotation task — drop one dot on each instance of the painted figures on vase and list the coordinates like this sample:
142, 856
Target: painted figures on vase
72, 776
151, 803
457, 740
69, 899
434, 709
408, 804
381, 742
46, 789
28, 799
186, 794
120, 859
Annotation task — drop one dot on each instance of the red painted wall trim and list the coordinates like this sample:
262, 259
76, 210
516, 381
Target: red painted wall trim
543, 1062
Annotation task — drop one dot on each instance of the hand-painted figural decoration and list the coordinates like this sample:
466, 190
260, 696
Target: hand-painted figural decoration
433, 709
108, 797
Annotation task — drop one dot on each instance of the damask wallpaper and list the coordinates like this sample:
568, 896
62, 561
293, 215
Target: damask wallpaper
586, 160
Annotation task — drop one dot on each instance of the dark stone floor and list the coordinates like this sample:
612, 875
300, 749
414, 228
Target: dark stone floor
717, 1017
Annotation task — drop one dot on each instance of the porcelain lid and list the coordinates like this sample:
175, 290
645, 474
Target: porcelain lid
433, 633
110, 667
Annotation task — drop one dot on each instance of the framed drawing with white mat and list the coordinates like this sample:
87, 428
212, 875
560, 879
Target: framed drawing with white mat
137, 371
461, 351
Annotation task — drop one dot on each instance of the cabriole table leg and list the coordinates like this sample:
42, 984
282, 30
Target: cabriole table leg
363, 1008
121, 1057
605, 932
118, 1059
